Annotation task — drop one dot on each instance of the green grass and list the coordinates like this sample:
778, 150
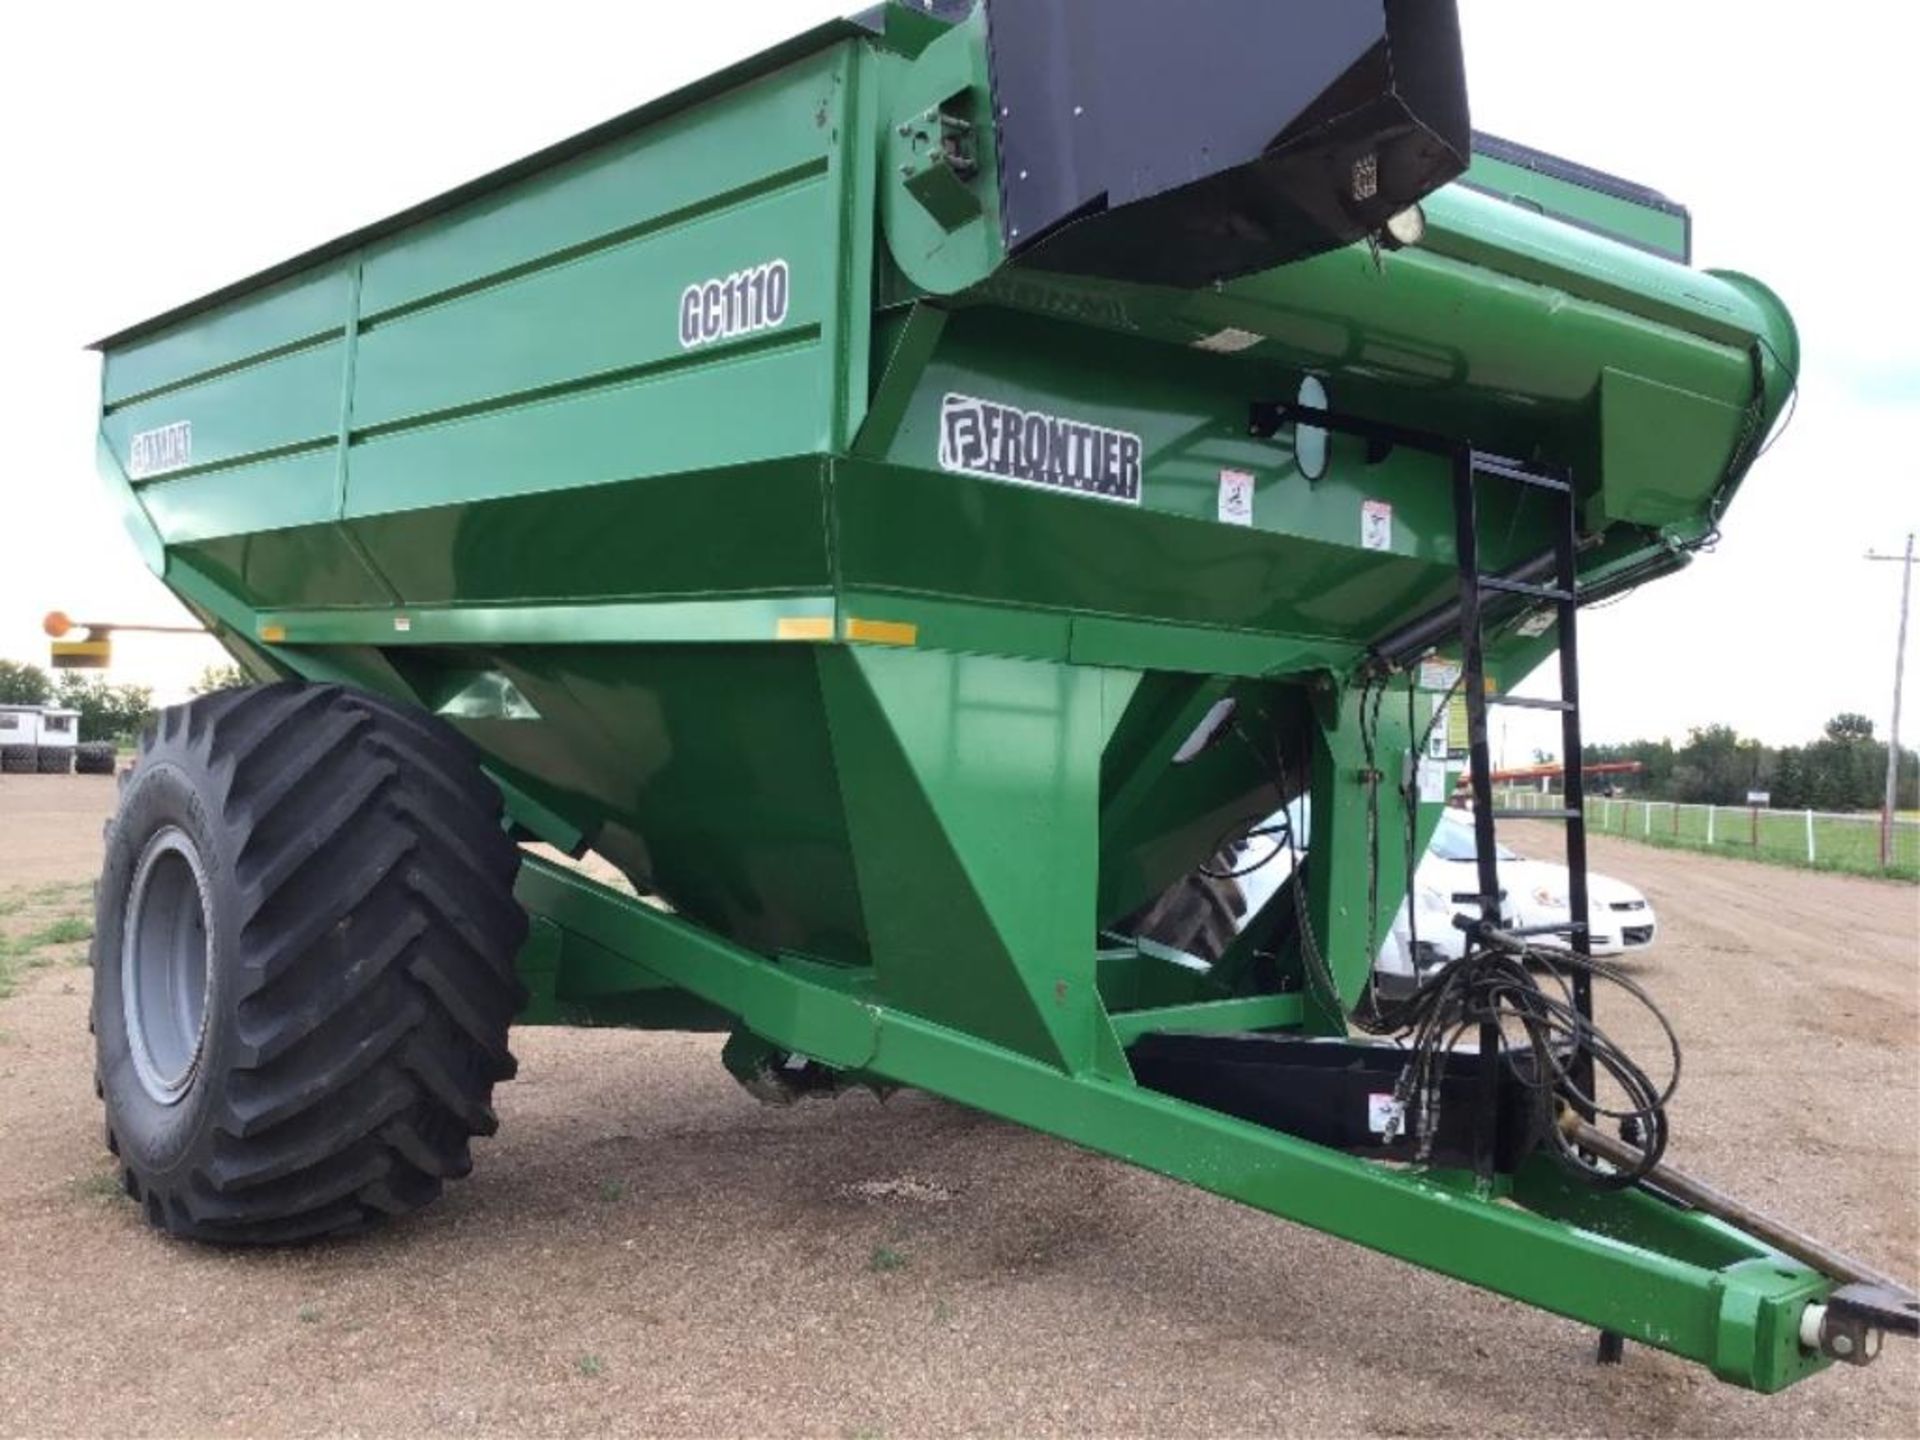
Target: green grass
590, 1365
102, 1185
308, 1314
60, 890
67, 930
1776, 837
612, 1190
885, 1258
30, 950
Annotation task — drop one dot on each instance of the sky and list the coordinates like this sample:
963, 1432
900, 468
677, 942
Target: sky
155, 151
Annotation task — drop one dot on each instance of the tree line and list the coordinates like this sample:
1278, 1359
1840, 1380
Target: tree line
107, 712
1844, 769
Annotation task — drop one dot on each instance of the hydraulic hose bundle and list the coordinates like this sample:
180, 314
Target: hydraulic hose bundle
1525, 990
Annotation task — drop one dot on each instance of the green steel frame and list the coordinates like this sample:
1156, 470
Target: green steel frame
898, 743
1624, 1262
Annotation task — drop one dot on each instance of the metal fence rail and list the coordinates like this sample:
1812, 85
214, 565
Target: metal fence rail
1802, 837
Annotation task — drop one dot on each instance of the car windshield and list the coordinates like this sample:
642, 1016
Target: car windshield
1453, 840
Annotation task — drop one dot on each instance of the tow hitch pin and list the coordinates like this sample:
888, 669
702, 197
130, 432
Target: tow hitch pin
1845, 1338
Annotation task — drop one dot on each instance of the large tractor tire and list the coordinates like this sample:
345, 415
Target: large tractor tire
303, 963
1199, 914
94, 757
17, 760
55, 759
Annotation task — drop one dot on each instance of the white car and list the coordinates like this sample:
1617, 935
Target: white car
1532, 892
1447, 884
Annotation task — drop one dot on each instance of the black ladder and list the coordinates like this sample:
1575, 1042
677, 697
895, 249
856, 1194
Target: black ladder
1527, 581
1562, 592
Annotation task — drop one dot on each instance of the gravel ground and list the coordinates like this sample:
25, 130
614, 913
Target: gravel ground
643, 1249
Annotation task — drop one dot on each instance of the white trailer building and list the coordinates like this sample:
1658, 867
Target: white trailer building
59, 735
19, 739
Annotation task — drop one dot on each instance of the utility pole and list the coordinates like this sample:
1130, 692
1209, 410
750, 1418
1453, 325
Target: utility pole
1899, 678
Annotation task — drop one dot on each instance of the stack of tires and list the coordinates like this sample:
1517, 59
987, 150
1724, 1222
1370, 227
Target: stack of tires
55, 759
17, 760
94, 757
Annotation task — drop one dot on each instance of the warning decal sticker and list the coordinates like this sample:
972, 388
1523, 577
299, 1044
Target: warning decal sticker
999, 442
1376, 525
1236, 497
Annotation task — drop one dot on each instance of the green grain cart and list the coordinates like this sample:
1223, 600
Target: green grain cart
916, 503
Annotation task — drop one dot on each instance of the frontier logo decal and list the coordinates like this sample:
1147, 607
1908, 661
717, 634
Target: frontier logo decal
979, 437
154, 452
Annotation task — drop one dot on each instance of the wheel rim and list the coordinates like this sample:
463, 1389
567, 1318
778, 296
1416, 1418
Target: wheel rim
164, 975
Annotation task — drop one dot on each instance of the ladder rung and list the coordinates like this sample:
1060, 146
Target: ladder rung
1522, 702
1524, 587
1536, 814
1502, 469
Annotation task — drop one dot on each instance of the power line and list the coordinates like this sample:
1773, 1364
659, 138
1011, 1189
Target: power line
1899, 679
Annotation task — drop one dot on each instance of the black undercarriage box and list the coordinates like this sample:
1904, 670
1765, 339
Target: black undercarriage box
1340, 1093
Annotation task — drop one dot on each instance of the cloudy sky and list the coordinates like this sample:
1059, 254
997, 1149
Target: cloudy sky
157, 150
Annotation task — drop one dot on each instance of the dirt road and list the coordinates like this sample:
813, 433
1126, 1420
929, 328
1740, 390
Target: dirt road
643, 1249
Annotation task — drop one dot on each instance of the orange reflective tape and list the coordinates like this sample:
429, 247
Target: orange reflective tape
883, 632
805, 627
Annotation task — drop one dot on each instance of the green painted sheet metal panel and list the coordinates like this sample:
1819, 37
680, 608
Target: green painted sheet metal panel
286, 492
614, 311
300, 310
303, 565
1302, 561
1660, 447
1188, 410
763, 403
552, 355
947, 534
1664, 231
756, 528
942, 759
669, 171
705, 774
1591, 267
293, 400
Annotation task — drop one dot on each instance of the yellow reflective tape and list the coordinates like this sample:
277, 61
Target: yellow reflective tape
83, 647
273, 634
882, 632
805, 627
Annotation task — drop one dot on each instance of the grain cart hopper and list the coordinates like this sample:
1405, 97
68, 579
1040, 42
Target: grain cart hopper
912, 502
